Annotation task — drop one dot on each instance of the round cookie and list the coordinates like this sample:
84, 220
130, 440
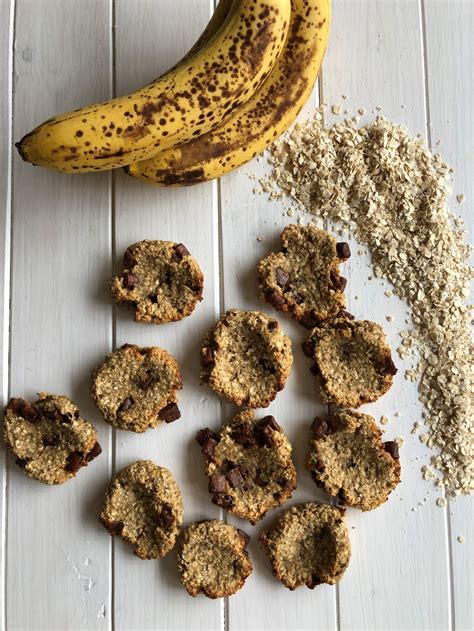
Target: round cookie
249, 465
161, 281
246, 358
212, 559
135, 388
352, 360
350, 462
143, 505
304, 277
308, 545
50, 440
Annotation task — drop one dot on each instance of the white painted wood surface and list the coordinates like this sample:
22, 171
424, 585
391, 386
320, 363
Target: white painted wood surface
61, 570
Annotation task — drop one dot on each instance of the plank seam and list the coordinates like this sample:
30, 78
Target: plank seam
447, 515
6, 333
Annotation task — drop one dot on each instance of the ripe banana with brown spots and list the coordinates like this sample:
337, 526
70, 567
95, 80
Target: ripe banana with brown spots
256, 124
184, 103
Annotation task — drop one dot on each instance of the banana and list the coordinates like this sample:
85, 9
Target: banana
256, 124
182, 104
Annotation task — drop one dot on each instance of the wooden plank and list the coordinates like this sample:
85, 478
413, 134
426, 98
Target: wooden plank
58, 574
450, 88
150, 37
6, 39
375, 59
265, 603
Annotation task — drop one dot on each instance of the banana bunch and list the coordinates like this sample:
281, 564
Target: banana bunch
240, 86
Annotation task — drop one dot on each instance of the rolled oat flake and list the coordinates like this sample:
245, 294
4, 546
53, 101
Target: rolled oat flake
386, 189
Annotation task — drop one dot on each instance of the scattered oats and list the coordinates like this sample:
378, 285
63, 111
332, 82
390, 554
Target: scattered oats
379, 108
388, 293
290, 212
344, 96
390, 318
460, 198
356, 297
441, 502
397, 414
346, 111
384, 187
260, 237
361, 252
361, 111
400, 441
461, 539
336, 109
384, 420
424, 438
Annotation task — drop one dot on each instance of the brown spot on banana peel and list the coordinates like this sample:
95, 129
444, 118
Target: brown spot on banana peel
255, 126
255, 49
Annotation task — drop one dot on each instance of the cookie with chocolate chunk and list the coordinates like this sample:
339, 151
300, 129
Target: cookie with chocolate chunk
161, 281
249, 465
349, 460
352, 361
135, 388
246, 358
308, 545
304, 276
212, 559
50, 440
143, 505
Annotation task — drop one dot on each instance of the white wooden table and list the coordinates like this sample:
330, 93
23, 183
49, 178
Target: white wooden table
62, 238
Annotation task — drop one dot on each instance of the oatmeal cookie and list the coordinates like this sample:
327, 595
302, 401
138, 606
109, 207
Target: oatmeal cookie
304, 277
212, 559
249, 465
246, 358
308, 545
143, 505
50, 440
161, 281
135, 388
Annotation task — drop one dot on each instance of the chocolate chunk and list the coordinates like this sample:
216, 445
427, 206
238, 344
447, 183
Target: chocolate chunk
343, 250
267, 365
75, 461
170, 413
129, 280
20, 462
217, 483
166, 518
153, 298
390, 367
337, 282
126, 404
341, 496
207, 356
314, 581
114, 527
344, 314
309, 320
314, 370
181, 251
128, 259
260, 480
272, 325
319, 427
51, 440
270, 421
55, 415
94, 452
146, 380
222, 500
308, 348
265, 436
281, 277
243, 435
391, 447
235, 477
209, 447
15, 404
204, 434
275, 299
27, 411
244, 536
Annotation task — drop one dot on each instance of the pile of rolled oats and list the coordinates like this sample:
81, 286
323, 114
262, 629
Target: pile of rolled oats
387, 190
